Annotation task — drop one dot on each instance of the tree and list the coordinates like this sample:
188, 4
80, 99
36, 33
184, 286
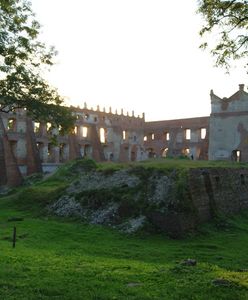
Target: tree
227, 21
23, 58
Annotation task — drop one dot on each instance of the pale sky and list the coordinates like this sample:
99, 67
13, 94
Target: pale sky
140, 55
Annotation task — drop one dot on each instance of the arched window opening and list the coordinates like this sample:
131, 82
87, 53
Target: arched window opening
48, 127
165, 152
236, 155
11, 126
186, 151
87, 150
50, 152
151, 153
62, 154
36, 127
40, 147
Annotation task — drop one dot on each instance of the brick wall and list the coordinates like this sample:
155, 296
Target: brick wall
218, 191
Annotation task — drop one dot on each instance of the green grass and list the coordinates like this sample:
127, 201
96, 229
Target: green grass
64, 259
171, 164
59, 259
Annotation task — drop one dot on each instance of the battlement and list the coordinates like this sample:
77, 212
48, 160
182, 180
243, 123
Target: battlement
97, 134
112, 136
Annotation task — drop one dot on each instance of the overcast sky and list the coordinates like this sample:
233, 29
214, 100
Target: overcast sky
140, 55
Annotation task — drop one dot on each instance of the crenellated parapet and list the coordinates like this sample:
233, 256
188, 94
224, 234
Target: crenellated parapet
111, 135
100, 116
97, 134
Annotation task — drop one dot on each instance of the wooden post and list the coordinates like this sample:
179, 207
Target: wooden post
14, 237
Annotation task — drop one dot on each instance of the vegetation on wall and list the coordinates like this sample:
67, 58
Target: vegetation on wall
154, 195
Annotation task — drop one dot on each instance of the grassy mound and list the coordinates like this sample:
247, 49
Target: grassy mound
60, 259
38, 193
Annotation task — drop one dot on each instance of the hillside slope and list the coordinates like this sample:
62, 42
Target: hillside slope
168, 196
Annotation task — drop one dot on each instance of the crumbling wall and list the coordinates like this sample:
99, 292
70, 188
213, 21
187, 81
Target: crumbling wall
173, 202
169, 138
32, 143
228, 127
218, 191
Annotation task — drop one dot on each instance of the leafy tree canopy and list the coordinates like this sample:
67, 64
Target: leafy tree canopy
227, 21
22, 59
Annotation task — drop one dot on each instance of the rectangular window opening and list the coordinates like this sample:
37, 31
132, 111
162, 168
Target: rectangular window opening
48, 127
36, 127
85, 131
187, 134
167, 136
11, 124
203, 133
102, 135
124, 135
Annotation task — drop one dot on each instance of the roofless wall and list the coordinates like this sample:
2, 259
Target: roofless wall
108, 136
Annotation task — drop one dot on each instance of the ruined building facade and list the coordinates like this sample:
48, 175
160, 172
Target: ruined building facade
175, 138
26, 147
228, 128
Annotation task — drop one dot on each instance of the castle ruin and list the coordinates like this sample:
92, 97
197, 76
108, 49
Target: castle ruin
26, 147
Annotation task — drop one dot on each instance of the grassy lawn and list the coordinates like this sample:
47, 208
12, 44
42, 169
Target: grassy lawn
64, 259
59, 259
